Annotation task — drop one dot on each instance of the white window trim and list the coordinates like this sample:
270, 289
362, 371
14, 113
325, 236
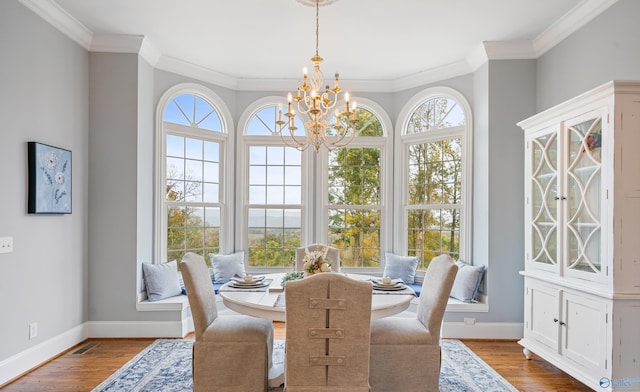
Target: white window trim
242, 176
385, 143
401, 141
225, 137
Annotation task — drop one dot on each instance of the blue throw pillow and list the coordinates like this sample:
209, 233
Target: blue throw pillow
466, 286
225, 266
400, 267
161, 280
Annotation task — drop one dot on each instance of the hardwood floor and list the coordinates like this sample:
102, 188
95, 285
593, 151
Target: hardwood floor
70, 372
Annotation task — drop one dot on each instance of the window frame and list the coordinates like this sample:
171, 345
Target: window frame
244, 142
403, 140
224, 137
385, 143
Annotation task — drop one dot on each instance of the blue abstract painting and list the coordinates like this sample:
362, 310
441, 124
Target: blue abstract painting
49, 179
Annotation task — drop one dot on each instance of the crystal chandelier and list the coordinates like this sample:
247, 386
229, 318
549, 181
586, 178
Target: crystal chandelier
315, 106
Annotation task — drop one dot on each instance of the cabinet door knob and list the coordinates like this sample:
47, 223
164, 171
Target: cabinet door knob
563, 323
555, 320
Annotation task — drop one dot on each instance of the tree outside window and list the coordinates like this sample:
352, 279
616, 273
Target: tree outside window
354, 200
434, 178
192, 175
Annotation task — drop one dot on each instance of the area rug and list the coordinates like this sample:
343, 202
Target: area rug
165, 366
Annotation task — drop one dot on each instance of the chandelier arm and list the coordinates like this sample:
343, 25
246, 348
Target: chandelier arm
298, 145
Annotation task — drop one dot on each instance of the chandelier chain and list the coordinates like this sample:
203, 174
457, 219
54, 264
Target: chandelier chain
317, 25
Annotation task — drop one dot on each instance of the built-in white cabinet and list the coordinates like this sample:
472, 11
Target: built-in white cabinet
582, 236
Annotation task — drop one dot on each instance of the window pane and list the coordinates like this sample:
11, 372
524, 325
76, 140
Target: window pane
210, 193
275, 175
436, 113
193, 148
175, 168
193, 170
357, 234
257, 194
212, 151
432, 232
435, 172
354, 176
211, 172
175, 146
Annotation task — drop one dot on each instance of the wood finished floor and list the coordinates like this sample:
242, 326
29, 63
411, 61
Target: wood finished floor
83, 372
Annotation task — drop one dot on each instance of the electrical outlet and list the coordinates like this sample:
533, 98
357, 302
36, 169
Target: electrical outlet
6, 244
469, 321
33, 330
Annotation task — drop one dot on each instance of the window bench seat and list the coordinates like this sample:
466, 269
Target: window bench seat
180, 302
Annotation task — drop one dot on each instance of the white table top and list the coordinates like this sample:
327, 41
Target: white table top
261, 303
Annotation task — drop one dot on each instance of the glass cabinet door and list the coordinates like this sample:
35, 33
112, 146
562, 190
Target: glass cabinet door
584, 196
543, 194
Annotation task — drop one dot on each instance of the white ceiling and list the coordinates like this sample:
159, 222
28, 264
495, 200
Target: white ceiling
386, 41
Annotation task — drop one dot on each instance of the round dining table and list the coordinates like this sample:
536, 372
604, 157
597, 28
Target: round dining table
268, 303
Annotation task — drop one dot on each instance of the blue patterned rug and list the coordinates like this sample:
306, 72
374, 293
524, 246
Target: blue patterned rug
165, 366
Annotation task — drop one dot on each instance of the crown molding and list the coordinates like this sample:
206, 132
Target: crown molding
432, 75
138, 44
569, 23
51, 12
184, 68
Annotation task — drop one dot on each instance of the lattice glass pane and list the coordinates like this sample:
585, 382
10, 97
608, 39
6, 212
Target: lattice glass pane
544, 193
584, 196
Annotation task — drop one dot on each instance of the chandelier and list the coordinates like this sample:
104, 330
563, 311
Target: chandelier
315, 105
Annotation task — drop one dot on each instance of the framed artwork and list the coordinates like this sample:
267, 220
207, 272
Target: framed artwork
49, 179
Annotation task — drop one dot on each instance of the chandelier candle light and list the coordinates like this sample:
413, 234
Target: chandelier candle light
315, 105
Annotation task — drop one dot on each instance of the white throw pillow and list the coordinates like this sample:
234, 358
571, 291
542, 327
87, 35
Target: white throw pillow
226, 266
161, 280
466, 286
400, 267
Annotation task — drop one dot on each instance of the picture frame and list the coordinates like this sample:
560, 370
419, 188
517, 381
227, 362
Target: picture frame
50, 180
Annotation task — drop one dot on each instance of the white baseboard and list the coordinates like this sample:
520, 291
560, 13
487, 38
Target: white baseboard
138, 329
25, 361
32, 357
456, 330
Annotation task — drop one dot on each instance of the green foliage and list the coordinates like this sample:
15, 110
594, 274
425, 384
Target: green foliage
295, 275
435, 186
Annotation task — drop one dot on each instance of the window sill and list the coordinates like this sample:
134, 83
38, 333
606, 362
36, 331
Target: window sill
171, 304
454, 305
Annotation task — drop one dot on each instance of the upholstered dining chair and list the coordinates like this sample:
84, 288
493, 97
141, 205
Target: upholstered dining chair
327, 337
405, 352
333, 254
231, 352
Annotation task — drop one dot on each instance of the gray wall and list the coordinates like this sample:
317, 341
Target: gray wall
43, 98
607, 48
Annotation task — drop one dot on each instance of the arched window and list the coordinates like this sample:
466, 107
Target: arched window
435, 143
355, 185
192, 152
272, 187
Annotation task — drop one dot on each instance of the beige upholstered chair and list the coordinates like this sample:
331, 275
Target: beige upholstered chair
230, 353
327, 336
405, 352
333, 254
